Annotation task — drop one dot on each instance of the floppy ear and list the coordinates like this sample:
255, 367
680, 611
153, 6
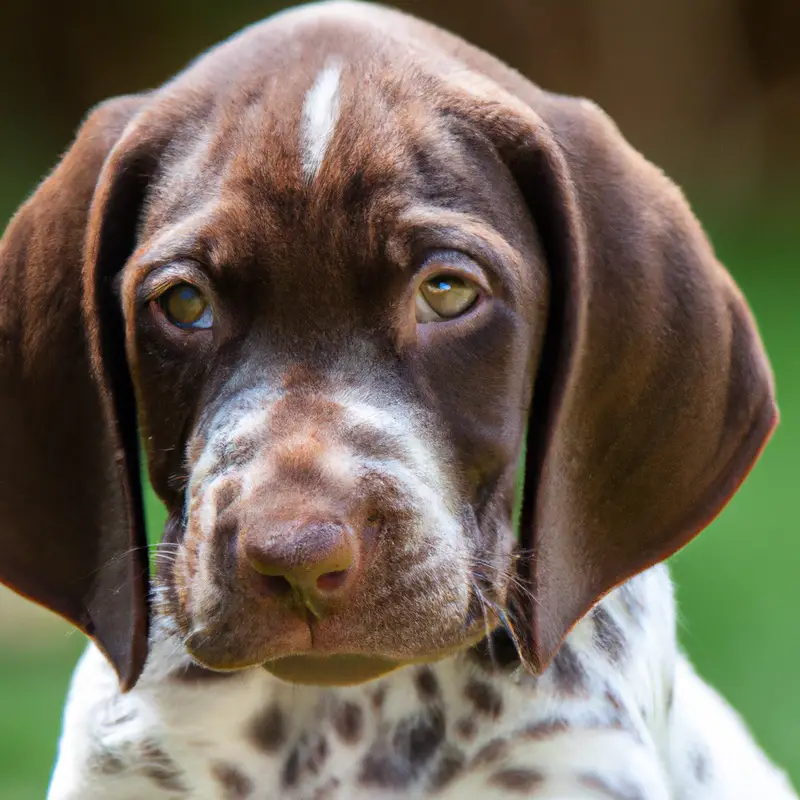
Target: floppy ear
71, 521
653, 397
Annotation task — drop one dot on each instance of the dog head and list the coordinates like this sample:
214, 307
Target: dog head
343, 277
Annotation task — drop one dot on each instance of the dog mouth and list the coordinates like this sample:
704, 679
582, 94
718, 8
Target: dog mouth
315, 653
345, 626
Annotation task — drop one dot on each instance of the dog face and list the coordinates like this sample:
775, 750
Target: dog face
355, 384
325, 403
330, 275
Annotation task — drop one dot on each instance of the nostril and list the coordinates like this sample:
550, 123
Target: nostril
331, 581
310, 562
274, 585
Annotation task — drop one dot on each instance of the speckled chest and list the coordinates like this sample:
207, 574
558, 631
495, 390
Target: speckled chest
468, 726
411, 734
618, 713
463, 725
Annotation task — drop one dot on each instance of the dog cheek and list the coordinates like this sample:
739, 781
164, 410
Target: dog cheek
428, 551
436, 578
205, 575
172, 592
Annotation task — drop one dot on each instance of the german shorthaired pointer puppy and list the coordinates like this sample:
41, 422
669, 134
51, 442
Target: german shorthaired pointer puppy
372, 303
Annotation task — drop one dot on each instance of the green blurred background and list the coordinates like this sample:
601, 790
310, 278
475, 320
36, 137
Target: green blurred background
709, 89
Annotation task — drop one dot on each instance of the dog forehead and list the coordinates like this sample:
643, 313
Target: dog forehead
323, 132
299, 147
274, 97
336, 171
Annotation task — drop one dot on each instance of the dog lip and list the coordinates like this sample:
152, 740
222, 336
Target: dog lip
320, 668
331, 670
317, 654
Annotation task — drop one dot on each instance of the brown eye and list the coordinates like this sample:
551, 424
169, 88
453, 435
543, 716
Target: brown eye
185, 306
444, 297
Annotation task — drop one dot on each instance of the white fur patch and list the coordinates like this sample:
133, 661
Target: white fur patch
320, 114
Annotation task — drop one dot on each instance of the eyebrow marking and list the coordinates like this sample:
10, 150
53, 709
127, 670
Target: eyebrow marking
320, 114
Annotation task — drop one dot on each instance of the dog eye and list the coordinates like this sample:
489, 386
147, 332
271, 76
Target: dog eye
185, 306
444, 297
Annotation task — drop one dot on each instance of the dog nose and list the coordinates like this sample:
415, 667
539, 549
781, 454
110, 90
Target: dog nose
314, 563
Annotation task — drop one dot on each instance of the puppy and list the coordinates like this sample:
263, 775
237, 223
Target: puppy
431, 370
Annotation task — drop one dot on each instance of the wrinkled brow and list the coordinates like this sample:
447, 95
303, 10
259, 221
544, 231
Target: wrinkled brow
428, 227
190, 237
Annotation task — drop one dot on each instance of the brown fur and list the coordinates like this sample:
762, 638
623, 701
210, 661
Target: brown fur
611, 330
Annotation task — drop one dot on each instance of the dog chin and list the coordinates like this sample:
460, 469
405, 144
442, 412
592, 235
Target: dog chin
331, 670
304, 650
348, 669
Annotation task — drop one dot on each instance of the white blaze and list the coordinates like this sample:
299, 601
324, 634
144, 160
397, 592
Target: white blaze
320, 113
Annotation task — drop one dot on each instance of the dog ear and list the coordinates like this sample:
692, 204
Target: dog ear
71, 518
653, 396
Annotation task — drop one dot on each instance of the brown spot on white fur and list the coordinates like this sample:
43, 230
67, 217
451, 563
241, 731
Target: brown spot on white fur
268, 729
490, 753
349, 722
516, 780
608, 634
567, 671
159, 767
485, 697
235, 784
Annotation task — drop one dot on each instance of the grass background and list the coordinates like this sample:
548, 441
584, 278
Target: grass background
738, 583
